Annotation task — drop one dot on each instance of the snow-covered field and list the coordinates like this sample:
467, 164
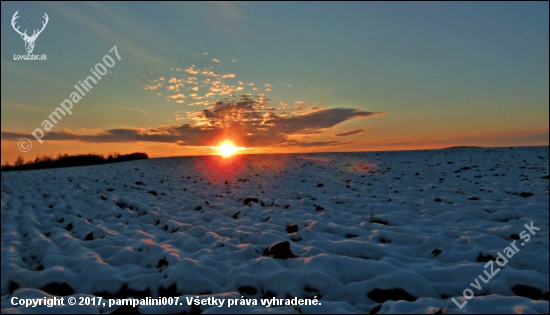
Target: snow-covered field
189, 226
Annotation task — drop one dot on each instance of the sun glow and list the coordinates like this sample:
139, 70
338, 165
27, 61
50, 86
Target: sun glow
227, 149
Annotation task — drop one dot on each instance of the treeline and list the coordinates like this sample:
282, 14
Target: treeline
65, 160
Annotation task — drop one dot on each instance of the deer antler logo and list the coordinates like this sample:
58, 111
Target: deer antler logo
29, 40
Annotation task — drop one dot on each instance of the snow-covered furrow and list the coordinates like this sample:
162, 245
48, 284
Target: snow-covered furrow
377, 231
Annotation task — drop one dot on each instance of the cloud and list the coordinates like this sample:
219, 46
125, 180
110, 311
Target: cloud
31, 73
248, 122
153, 87
23, 107
133, 108
112, 23
350, 132
225, 17
176, 96
236, 110
192, 70
323, 144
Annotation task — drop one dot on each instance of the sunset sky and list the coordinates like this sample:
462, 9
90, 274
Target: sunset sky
276, 78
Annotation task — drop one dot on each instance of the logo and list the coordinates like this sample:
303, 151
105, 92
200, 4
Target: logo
29, 40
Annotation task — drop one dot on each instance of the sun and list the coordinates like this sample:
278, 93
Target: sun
227, 149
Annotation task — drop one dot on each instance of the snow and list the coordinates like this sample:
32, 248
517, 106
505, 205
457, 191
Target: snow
174, 227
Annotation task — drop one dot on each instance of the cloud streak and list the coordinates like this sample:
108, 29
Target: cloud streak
225, 17
350, 132
247, 122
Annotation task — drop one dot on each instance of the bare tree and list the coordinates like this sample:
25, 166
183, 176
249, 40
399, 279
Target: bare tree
19, 161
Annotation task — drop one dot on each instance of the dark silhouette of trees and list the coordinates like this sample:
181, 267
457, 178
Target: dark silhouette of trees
65, 160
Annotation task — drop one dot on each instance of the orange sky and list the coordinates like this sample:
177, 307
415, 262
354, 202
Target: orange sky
524, 138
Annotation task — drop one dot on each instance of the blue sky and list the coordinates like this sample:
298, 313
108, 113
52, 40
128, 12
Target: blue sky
366, 76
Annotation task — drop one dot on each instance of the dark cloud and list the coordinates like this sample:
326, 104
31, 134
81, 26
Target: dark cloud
350, 132
235, 110
323, 143
247, 122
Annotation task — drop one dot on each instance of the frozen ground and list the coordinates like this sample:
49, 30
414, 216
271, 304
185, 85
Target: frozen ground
202, 226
